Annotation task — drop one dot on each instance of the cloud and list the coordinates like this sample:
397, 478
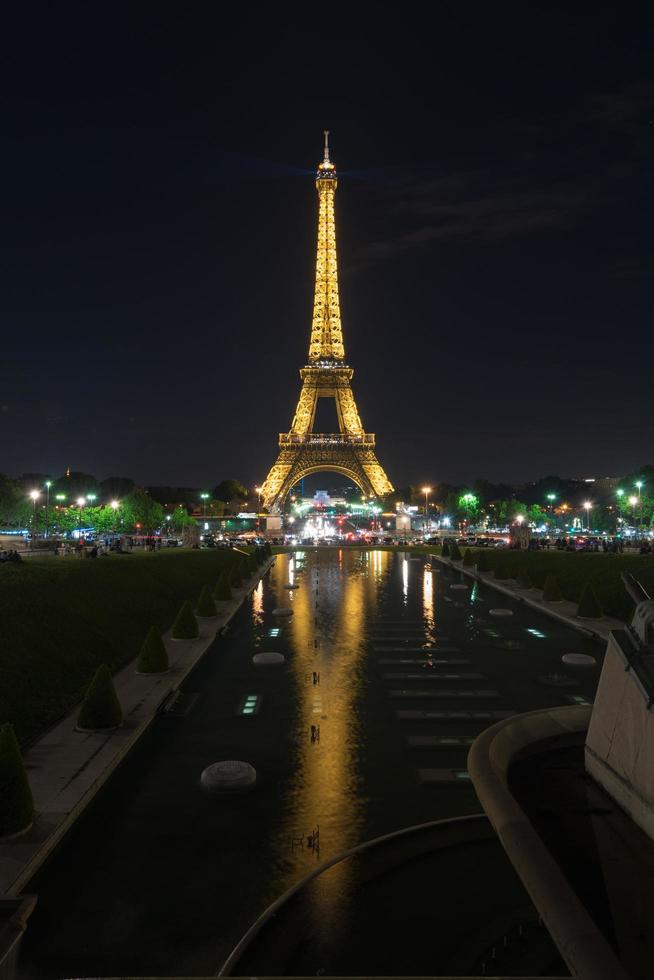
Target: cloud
625, 108
471, 208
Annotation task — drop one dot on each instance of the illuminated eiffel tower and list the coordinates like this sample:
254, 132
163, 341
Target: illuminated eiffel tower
351, 451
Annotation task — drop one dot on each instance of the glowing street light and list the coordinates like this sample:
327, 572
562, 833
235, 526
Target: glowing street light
34, 494
426, 491
48, 484
80, 503
114, 506
588, 507
519, 518
258, 491
633, 500
639, 484
204, 497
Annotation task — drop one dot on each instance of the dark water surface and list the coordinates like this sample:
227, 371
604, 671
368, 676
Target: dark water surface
158, 878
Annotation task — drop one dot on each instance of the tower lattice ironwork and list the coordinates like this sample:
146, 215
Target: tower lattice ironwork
302, 451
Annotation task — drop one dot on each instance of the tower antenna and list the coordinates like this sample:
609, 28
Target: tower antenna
326, 160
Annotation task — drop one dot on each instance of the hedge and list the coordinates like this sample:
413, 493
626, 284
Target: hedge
16, 803
185, 626
100, 707
153, 658
205, 605
455, 552
62, 618
552, 589
589, 605
222, 592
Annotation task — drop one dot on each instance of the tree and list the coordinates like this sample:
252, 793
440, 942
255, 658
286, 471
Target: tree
180, 518
141, 512
75, 484
468, 505
229, 490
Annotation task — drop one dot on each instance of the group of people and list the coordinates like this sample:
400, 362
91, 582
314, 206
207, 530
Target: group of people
11, 555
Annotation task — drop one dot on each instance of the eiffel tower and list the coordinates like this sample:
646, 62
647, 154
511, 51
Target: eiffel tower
351, 451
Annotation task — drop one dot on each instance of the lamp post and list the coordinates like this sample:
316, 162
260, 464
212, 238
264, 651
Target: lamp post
619, 494
426, 491
633, 500
588, 507
80, 503
258, 491
48, 484
639, 484
114, 506
204, 497
34, 494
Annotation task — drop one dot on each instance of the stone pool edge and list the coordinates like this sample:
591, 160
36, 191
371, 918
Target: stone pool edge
600, 629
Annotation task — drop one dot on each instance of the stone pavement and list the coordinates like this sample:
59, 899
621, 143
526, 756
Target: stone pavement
66, 768
565, 612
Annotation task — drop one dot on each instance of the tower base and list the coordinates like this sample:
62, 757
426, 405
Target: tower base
295, 462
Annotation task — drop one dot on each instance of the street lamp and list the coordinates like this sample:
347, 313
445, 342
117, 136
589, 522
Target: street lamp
80, 503
48, 484
588, 507
34, 494
639, 484
633, 500
204, 497
114, 506
426, 491
258, 490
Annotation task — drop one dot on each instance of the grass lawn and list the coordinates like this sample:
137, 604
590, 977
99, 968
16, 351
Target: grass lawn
60, 618
573, 570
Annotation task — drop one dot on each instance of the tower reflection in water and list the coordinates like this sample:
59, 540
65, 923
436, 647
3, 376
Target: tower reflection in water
327, 640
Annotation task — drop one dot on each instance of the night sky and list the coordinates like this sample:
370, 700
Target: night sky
493, 218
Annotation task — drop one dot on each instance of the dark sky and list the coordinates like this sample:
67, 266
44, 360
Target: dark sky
494, 222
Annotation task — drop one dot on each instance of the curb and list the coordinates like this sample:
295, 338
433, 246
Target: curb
600, 634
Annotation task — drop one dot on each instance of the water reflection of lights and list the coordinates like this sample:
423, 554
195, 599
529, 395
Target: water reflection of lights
405, 578
428, 595
318, 527
257, 602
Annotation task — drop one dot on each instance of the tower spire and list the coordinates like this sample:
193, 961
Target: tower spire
326, 342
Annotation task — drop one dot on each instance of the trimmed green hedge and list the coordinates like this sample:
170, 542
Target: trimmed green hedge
205, 605
100, 707
16, 803
62, 617
468, 557
483, 565
589, 605
185, 626
445, 550
552, 589
153, 658
573, 570
455, 552
222, 592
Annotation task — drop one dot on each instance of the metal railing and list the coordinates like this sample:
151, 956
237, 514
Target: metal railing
326, 439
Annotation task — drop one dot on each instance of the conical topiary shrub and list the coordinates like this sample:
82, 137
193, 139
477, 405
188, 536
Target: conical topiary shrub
206, 606
16, 803
445, 550
153, 658
501, 573
235, 575
100, 708
468, 557
455, 553
483, 564
222, 592
185, 626
524, 579
589, 605
552, 590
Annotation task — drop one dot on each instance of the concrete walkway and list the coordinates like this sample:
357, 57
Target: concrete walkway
66, 768
565, 612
